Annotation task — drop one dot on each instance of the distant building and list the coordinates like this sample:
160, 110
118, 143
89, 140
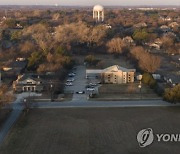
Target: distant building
128, 40
28, 83
114, 74
165, 29
108, 26
165, 18
140, 25
156, 44
16, 67
173, 24
98, 13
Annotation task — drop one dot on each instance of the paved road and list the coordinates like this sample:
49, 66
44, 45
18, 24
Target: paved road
17, 107
86, 104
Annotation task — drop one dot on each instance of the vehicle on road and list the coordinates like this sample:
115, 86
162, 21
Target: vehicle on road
80, 92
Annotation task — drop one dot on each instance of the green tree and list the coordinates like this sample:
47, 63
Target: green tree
10, 23
61, 51
91, 60
140, 35
15, 36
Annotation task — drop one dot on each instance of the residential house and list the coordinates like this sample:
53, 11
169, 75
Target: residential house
114, 74
165, 18
165, 29
173, 24
156, 44
28, 83
128, 40
140, 25
17, 67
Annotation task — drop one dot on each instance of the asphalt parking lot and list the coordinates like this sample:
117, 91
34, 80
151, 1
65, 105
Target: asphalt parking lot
79, 84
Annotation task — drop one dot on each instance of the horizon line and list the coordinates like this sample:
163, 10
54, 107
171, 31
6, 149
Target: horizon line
58, 5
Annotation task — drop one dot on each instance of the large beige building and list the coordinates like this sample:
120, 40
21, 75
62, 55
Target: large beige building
114, 74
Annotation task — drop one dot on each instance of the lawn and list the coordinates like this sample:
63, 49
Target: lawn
91, 131
128, 91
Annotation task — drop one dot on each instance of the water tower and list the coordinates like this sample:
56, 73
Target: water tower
98, 13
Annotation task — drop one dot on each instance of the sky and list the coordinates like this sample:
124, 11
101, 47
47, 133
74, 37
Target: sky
90, 2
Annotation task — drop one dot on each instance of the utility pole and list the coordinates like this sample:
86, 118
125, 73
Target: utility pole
51, 90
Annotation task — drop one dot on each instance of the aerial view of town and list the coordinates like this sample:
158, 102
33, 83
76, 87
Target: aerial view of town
89, 77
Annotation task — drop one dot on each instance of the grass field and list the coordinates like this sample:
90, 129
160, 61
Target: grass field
91, 131
125, 91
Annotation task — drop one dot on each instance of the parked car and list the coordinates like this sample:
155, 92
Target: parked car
80, 92
70, 80
90, 89
88, 86
71, 74
69, 84
92, 84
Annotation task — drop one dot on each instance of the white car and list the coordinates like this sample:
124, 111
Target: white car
90, 89
80, 92
69, 84
71, 74
70, 80
92, 84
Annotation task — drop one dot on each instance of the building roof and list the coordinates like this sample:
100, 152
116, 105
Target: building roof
28, 76
98, 8
94, 71
114, 68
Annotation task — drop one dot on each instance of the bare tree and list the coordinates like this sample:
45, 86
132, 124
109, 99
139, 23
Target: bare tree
149, 63
116, 45
27, 47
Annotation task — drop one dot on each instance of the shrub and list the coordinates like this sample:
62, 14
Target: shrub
172, 94
149, 80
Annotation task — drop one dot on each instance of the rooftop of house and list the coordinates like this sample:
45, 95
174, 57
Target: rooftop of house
28, 76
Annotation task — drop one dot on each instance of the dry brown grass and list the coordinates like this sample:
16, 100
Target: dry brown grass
91, 131
125, 91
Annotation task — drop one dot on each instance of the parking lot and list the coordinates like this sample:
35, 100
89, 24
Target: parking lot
79, 84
